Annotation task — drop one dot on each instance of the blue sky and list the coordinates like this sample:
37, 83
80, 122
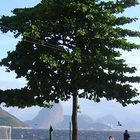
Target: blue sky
7, 6
7, 43
7, 80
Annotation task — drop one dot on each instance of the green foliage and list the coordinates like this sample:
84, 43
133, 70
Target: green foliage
33, 33
67, 46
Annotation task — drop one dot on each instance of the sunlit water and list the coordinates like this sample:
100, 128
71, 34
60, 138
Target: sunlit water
30, 134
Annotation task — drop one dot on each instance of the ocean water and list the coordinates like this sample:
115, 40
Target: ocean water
42, 134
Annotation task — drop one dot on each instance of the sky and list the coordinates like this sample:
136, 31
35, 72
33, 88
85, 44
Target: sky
8, 80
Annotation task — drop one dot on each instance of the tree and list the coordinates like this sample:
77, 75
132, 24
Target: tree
71, 49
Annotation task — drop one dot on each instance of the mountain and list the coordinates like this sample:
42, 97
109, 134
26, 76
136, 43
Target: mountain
99, 126
55, 117
109, 120
7, 119
127, 123
47, 117
84, 123
65, 123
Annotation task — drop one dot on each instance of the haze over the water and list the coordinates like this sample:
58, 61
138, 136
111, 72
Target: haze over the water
7, 80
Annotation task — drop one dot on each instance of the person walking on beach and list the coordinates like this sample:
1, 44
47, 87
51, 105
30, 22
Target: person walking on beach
111, 138
126, 136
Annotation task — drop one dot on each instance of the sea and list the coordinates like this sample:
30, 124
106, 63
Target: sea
42, 134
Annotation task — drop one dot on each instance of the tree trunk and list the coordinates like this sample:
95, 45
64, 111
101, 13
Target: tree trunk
74, 118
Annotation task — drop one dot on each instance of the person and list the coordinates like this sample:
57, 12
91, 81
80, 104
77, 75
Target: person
126, 136
111, 138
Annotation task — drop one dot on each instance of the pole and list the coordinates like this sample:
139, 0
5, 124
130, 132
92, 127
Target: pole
70, 131
50, 132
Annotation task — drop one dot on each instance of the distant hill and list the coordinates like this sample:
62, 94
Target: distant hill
65, 123
112, 121
133, 125
84, 123
7, 119
99, 126
47, 117
55, 117
109, 120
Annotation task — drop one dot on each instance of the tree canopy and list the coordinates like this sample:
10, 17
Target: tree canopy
72, 44
71, 48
